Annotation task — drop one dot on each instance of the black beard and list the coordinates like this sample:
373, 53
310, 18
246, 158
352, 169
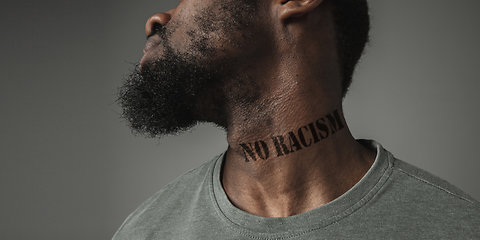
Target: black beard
175, 92
166, 95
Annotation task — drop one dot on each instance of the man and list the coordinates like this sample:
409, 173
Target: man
273, 74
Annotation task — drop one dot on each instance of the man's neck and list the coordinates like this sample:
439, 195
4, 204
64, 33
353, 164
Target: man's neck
271, 178
302, 157
291, 150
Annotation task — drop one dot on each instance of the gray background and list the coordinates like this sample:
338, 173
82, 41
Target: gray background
70, 169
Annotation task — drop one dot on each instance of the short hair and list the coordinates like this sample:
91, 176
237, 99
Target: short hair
352, 26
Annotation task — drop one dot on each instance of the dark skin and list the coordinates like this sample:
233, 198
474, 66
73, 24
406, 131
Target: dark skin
295, 67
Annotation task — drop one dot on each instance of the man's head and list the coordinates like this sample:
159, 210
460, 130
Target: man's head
182, 76
199, 55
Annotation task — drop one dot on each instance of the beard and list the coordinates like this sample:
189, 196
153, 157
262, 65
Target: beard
174, 92
168, 95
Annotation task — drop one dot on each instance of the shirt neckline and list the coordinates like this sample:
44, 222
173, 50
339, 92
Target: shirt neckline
346, 204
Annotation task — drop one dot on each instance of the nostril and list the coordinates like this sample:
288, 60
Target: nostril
155, 23
155, 29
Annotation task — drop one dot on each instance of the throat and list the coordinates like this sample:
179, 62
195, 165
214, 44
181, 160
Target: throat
278, 143
288, 172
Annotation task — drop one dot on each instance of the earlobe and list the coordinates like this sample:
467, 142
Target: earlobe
297, 8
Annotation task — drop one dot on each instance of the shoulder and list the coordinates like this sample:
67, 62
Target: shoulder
414, 202
168, 206
415, 197
407, 178
420, 178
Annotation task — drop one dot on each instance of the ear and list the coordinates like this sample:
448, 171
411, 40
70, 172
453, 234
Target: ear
296, 8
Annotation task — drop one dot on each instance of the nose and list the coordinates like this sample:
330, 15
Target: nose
159, 18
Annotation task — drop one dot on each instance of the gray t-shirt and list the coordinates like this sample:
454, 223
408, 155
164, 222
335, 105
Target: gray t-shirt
394, 200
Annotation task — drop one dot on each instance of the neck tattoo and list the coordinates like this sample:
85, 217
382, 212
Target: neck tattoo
294, 141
